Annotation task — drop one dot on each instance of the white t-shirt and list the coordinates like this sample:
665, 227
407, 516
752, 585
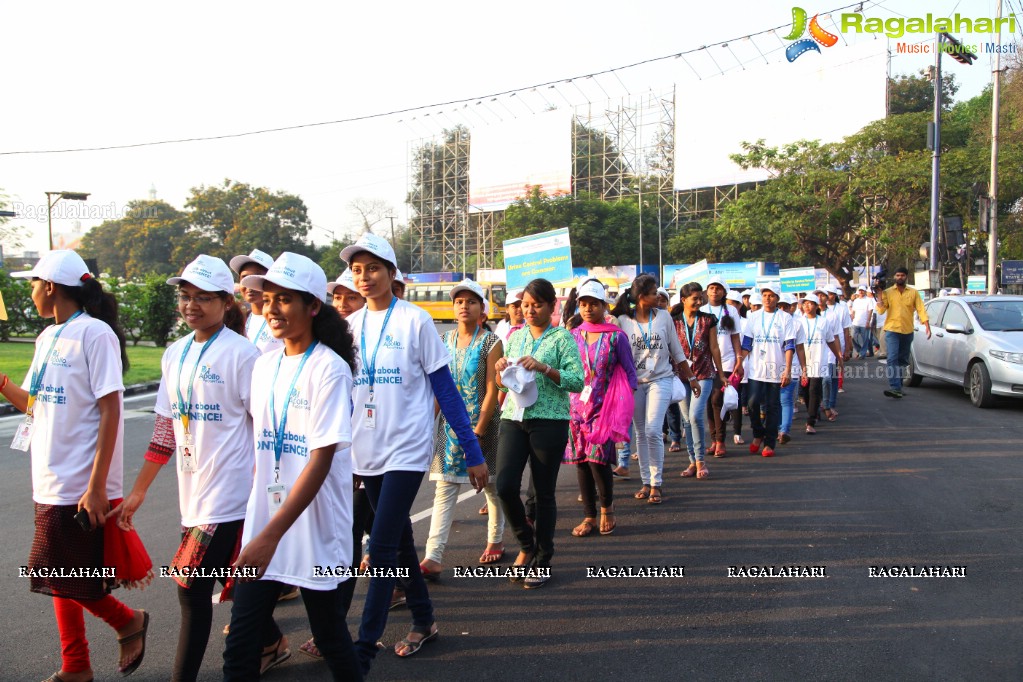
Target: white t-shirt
818, 332
840, 318
770, 332
861, 309
85, 365
403, 397
652, 343
319, 416
219, 423
258, 332
724, 335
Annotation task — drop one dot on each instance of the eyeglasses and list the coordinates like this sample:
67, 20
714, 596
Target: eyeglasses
185, 299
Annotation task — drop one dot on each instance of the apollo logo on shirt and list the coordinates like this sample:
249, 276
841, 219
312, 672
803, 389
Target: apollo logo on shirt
392, 343
208, 376
58, 360
298, 402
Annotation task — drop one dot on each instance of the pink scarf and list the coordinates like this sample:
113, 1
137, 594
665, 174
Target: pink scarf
615, 418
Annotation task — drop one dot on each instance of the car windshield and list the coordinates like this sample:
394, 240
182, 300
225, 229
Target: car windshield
999, 316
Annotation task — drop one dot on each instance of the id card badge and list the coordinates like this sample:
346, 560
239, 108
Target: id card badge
369, 416
518, 414
23, 435
584, 395
276, 493
187, 454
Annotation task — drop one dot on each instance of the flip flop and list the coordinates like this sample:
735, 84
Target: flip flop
271, 659
55, 677
309, 649
134, 665
428, 575
675, 446
689, 472
413, 647
614, 523
484, 510
583, 529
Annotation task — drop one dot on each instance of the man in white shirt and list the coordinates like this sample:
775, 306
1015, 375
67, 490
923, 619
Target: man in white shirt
863, 308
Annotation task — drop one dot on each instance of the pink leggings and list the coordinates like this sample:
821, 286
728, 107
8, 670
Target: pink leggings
74, 648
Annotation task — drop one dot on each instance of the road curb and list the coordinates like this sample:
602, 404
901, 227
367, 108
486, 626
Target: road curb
134, 389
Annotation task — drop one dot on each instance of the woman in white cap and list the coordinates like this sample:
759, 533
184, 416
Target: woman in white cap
820, 337
513, 319
74, 429
545, 362
344, 296
298, 520
768, 345
594, 425
734, 301
786, 305
255, 263
403, 368
654, 345
203, 424
729, 339
474, 354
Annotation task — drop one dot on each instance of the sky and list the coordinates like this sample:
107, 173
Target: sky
81, 75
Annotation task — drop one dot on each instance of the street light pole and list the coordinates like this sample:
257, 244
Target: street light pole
992, 237
51, 202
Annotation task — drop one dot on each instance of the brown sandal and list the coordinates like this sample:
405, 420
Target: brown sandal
643, 493
605, 515
583, 529
655, 495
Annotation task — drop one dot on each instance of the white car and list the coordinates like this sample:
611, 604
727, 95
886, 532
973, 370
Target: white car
976, 342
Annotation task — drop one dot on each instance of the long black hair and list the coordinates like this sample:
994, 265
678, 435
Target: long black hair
233, 317
93, 299
331, 330
685, 292
542, 290
644, 285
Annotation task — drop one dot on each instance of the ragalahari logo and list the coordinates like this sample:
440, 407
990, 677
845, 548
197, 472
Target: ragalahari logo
802, 45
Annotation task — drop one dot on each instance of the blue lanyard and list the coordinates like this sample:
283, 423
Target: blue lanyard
649, 328
459, 372
371, 362
255, 340
537, 342
586, 354
184, 407
809, 334
37, 377
691, 333
279, 431
767, 331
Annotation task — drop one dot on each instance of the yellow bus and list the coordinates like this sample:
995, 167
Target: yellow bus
435, 298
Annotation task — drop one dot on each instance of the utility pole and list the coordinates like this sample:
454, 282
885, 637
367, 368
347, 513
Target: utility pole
992, 237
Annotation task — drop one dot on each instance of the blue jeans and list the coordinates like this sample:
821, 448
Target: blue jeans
652, 401
769, 395
694, 412
673, 421
829, 380
898, 357
788, 404
862, 341
391, 545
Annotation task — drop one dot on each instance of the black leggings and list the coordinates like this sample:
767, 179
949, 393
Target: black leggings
591, 473
541, 444
814, 392
197, 606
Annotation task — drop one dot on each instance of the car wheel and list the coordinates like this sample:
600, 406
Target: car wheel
980, 386
914, 377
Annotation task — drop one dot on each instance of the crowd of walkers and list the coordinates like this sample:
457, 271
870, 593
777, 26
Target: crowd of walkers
295, 418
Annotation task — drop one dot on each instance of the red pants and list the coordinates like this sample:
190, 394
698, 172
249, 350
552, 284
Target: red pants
74, 648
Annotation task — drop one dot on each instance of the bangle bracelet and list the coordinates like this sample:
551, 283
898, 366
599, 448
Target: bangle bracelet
3, 384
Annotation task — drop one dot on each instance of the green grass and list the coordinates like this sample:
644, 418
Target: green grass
16, 358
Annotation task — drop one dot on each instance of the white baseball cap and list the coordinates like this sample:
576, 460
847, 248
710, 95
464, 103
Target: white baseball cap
255, 256
62, 266
514, 296
748, 292
675, 299
521, 383
836, 290
207, 273
398, 277
719, 281
755, 299
773, 288
661, 291
345, 280
954, 292
292, 271
861, 288
592, 289
787, 299
378, 246
468, 285
734, 295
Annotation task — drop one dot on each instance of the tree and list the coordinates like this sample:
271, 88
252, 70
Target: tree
152, 237
915, 93
370, 212
235, 218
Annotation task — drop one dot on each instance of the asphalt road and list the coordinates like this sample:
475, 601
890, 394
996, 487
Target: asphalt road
929, 480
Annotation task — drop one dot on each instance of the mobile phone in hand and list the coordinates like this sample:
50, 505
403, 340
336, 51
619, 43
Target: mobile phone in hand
83, 520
